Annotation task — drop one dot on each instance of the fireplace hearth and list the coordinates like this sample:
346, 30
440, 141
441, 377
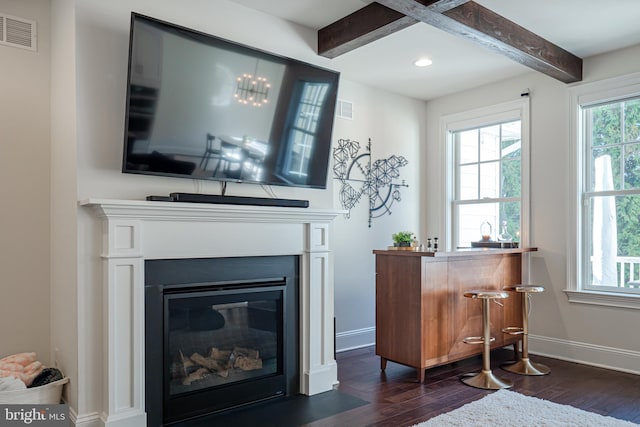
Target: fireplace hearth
219, 333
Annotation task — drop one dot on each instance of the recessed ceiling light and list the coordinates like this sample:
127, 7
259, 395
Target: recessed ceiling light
422, 62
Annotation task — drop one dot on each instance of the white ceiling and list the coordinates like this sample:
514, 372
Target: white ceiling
583, 27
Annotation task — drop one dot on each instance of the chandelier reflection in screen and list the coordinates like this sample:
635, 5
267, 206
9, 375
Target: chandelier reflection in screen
252, 90
362, 178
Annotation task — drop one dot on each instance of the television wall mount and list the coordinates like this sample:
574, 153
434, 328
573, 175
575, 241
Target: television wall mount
361, 178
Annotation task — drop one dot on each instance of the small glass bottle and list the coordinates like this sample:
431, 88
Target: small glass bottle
429, 244
435, 244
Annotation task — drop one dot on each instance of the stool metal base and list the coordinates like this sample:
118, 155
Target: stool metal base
486, 380
525, 366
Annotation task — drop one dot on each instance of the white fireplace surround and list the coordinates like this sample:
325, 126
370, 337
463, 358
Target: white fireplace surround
134, 231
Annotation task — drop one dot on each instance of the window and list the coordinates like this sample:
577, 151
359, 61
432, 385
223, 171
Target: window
487, 177
487, 183
607, 186
303, 131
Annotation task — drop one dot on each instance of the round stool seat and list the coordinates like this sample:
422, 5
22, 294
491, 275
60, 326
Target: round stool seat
530, 289
486, 294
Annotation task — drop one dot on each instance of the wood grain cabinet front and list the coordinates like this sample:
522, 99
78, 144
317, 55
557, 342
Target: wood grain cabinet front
422, 315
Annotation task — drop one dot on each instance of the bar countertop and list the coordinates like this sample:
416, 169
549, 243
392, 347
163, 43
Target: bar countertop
466, 252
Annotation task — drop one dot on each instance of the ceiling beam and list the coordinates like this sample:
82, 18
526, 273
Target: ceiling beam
371, 23
485, 27
462, 18
362, 27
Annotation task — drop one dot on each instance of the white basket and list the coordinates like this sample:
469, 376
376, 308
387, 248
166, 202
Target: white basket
47, 394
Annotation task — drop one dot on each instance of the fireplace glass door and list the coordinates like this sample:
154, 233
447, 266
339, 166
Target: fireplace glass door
224, 343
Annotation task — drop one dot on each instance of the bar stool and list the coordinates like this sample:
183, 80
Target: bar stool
524, 366
485, 378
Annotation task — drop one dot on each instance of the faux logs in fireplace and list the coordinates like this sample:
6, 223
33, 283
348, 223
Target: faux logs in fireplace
219, 333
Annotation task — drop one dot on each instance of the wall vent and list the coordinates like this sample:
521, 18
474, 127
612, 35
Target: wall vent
344, 109
17, 32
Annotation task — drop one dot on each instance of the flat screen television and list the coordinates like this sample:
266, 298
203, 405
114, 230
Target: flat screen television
202, 107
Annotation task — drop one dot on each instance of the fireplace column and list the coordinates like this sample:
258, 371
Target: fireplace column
319, 369
137, 230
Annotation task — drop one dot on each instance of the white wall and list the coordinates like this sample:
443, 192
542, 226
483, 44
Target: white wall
24, 188
395, 125
63, 186
594, 334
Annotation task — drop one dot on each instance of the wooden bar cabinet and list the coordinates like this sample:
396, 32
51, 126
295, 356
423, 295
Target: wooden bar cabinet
422, 316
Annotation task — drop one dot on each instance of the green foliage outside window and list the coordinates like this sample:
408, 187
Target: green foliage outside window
615, 130
511, 186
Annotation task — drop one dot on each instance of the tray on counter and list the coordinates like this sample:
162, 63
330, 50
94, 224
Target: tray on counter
492, 244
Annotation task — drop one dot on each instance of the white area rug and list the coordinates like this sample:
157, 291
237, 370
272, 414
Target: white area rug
510, 409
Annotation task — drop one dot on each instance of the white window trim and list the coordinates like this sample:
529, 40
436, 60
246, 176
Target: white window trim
499, 113
586, 94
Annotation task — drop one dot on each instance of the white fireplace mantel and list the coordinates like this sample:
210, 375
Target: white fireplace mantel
134, 231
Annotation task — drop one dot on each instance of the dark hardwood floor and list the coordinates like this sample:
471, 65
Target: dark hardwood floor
397, 400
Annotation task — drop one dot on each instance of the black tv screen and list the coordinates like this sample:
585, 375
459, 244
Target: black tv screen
202, 107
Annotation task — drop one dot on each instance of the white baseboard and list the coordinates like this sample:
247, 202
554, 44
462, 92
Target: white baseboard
358, 338
587, 354
85, 420
572, 351
94, 419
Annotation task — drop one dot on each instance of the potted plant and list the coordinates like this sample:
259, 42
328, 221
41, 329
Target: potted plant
402, 238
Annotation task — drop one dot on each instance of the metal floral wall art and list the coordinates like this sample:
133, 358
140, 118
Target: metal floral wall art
361, 178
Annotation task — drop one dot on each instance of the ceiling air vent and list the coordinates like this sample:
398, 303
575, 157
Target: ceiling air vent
17, 32
344, 109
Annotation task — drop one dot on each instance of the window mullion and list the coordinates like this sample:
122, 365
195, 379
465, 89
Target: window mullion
628, 192
486, 200
478, 164
623, 138
500, 162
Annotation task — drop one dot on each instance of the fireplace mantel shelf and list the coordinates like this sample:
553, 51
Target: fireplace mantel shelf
143, 209
134, 231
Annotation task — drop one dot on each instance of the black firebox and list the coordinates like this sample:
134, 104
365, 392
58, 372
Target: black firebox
219, 333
